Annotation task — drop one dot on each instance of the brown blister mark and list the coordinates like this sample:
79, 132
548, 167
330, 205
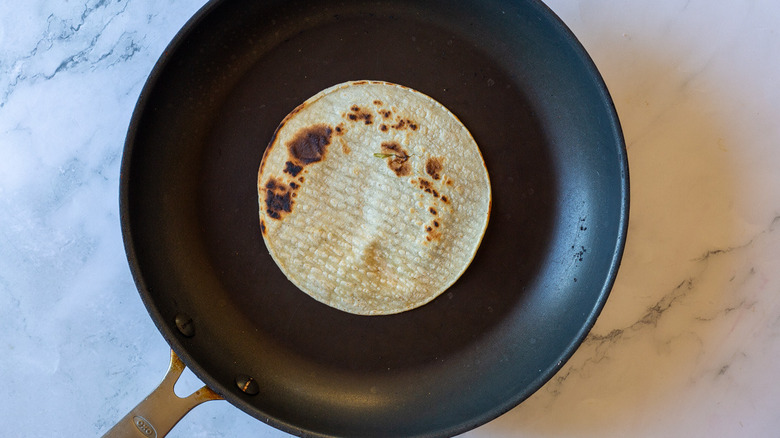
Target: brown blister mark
310, 144
345, 147
386, 113
427, 187
358, 113
433, 211
359, 82
398, 161
383, 127
445, 199
378, 102
262, 227
448, 182
432, 232
402, 123
340, 130
433, 167
278, 198
292, 168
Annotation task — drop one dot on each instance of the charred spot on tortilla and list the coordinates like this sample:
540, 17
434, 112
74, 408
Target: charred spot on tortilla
310, 144
357, 113
292, 169
403, 123
397, 158
433, 167
433, 232
278, 199
359, 236
428, 187
391, 147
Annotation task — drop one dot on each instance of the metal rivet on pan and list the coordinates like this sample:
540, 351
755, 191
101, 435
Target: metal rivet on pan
185, 325
247, 384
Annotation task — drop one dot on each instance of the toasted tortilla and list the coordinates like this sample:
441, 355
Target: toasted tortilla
373, 197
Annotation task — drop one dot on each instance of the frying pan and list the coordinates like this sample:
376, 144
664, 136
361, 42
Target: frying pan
549, 134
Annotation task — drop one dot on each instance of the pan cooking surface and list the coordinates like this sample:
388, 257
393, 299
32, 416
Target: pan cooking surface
552, 145
499, 111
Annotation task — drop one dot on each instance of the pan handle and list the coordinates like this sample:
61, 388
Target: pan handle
156, 415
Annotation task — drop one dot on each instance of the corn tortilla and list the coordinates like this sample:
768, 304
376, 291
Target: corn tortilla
373, 197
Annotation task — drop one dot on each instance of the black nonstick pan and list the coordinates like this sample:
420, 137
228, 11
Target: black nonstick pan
541, 114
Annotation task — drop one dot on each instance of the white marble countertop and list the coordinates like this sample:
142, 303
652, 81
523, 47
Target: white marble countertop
689, 341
